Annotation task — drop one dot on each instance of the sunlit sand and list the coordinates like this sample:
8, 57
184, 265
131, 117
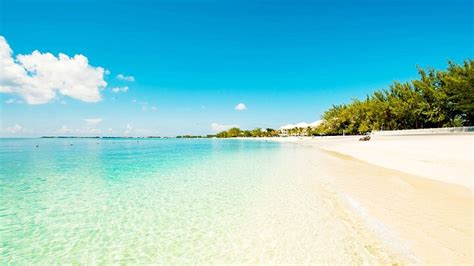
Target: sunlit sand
422, 219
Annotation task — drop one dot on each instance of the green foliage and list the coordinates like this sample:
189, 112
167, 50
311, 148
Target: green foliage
270, 132
246, 133
257, 133
437, 99
233, 132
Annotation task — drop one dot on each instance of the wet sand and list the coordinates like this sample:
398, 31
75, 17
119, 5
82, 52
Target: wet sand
422, 220
327, 207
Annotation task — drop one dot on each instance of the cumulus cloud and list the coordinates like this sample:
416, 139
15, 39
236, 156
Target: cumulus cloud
218, 127
39, 77
93, 121
126, 78
240, 107
14, 129
119, 89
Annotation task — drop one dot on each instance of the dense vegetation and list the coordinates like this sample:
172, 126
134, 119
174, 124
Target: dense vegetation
436, 99
257, 132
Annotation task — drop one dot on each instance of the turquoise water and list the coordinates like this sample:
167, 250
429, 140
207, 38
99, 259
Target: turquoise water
174, 201
119, 200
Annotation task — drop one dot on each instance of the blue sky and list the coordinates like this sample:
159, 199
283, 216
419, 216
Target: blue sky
193, 61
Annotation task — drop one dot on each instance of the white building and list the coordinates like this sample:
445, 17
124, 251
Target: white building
299, 129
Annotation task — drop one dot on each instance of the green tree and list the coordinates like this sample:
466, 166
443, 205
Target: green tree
436, 99
257, 132
233, 132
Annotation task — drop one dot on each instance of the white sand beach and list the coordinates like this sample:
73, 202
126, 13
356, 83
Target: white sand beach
414, 192
446, 158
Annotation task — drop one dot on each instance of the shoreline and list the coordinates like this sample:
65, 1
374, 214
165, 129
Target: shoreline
444, 158
429, 218
243, 203
413, 192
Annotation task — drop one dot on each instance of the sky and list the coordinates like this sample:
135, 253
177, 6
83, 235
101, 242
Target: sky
139, 68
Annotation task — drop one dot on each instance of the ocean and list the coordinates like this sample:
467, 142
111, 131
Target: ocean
170, 201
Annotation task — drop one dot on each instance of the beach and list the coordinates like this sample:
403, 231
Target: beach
282, 200
204, 132
414, 191
445, 158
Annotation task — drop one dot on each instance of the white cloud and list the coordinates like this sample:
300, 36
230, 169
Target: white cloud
218, 127
93, 121
119, 89
86, 131
145, 105
14, 129
95, 130
38, 77
128, 130
240, 107
126, 78
64, 130
10, 101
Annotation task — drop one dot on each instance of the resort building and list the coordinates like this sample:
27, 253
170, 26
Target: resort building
300, 129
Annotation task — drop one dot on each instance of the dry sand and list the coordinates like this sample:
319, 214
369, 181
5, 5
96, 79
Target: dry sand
446, 158
413, 192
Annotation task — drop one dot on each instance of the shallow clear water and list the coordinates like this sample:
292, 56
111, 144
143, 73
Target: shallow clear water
88, 199
169, 201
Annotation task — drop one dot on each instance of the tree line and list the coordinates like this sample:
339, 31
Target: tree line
439, 98
257, 133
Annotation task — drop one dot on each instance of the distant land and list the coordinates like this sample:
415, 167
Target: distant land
100, 137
